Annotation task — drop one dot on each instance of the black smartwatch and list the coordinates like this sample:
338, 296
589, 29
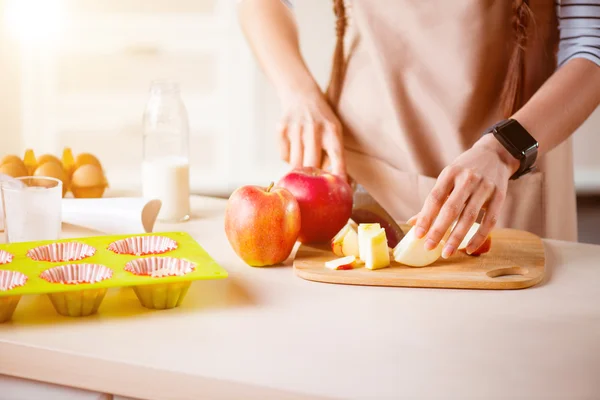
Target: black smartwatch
519, 143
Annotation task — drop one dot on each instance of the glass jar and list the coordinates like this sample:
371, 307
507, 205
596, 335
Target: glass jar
165, 168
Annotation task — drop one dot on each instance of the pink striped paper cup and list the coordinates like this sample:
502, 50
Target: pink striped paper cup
5, 257
61, 252
143, 245
77, 273
158, 267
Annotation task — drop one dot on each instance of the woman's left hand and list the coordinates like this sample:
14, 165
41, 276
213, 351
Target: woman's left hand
477, 180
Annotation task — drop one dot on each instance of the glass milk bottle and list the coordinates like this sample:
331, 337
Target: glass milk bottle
165, 168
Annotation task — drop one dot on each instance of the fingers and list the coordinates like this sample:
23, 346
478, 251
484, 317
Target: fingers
284, 143
312, 138
451, 209
332, 143
304, 144
296, 145
412, 220
489, 221
468, 217
434, 202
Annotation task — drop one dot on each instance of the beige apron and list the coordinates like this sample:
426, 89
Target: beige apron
421, 83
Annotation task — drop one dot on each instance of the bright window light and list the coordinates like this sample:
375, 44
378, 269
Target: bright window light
34, 21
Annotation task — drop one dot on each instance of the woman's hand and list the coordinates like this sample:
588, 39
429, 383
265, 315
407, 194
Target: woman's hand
476, 180
308, 127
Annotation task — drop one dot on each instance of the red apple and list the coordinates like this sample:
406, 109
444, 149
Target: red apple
262, 224
325, 202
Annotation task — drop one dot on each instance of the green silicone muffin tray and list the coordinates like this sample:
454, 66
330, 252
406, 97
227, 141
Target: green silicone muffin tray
80, 299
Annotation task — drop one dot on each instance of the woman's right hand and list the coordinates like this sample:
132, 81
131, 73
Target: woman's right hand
307, 128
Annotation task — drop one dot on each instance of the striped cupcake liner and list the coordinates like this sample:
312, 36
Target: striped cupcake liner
158, 267
5, 257
73, 274
143, 245
61, 252
11, 279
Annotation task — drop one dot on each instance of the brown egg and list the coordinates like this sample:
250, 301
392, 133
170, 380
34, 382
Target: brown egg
86, 159
88, 181
15, 170
44, 158
54, 170
11, 159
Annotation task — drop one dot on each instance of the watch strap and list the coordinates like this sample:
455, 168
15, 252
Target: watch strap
519, 143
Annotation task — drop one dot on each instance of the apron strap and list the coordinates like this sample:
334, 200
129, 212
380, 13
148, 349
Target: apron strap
512, 93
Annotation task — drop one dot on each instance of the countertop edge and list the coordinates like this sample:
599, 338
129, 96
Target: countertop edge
125, 379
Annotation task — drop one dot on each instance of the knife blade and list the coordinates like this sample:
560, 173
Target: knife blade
366, 210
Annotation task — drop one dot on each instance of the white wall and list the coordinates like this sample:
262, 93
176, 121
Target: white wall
586, 149
9, 94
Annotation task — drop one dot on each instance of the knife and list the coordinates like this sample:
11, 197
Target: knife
366, 210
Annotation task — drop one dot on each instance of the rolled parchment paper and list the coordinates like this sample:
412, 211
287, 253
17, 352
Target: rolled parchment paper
112, 215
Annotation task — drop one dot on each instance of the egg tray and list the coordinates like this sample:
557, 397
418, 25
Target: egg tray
81, 299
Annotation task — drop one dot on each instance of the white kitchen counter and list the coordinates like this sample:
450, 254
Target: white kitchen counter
267, 334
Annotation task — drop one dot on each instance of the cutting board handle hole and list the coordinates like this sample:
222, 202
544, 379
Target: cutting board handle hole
510, 271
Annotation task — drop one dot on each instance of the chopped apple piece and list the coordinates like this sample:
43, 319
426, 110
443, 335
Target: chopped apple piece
345, 243
364, 232
353, 225
376, 253
350, 244
344, 263
338, 241
411, 251
472, 231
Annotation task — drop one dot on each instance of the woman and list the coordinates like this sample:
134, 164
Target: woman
416, 88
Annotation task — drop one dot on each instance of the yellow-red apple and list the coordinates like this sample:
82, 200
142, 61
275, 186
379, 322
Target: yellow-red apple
325, 202
262, 224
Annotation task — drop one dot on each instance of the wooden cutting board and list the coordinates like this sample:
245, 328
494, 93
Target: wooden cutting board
516, 261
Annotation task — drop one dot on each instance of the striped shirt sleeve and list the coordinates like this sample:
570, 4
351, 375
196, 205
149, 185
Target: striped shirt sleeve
579, 26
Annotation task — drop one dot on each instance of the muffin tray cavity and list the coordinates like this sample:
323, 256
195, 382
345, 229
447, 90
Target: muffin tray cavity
76, 273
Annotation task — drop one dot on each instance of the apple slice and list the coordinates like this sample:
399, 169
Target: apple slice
345, 242
337, 243
411, 250
353, 225
364, 232
375, 250
344, 263
472, 231
350, 244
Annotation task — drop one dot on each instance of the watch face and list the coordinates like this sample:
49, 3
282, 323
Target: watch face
517, 138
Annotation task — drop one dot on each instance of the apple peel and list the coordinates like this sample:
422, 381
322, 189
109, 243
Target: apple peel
472, 231
343, 263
